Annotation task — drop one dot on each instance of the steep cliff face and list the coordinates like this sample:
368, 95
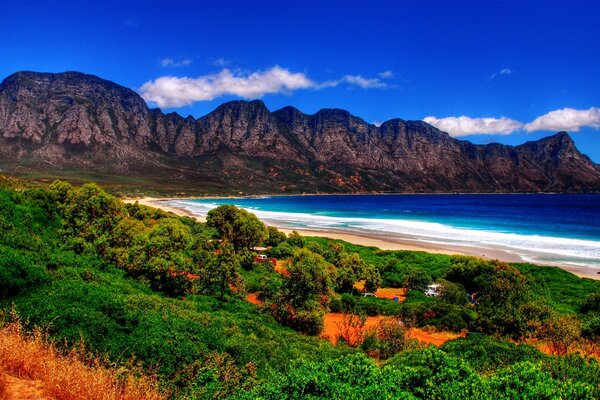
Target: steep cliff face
77, 121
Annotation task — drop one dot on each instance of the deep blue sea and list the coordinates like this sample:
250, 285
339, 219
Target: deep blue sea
541, 228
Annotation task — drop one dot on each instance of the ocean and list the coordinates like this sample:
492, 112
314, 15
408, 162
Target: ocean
552, 229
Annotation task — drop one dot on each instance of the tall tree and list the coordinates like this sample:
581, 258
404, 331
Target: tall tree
223, 269
239, 227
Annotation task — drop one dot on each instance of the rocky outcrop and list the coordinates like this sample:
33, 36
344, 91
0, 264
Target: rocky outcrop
53, 122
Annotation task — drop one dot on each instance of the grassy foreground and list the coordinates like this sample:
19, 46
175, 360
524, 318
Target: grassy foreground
144, 289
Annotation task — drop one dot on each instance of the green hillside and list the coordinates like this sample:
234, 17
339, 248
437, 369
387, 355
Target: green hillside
135, 283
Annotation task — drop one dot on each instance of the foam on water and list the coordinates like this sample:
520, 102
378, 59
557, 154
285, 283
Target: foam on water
533, 248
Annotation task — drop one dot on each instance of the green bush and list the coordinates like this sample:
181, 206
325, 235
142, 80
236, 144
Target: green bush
18, 273
486, 354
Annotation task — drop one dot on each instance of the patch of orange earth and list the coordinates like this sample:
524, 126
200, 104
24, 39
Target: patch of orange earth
384, 293
253, 298
332, 329
280, 267
391, 293
588, 348
436, 338
332, 323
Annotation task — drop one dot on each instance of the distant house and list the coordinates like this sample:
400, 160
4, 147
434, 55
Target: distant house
433, 290
259, 248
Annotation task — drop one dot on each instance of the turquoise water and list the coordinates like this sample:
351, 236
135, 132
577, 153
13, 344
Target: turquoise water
549, 229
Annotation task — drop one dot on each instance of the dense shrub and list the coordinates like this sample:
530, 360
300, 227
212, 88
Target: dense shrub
486, 354
19, 273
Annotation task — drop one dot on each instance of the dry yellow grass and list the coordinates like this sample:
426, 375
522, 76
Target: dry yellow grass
3, 384
71, 376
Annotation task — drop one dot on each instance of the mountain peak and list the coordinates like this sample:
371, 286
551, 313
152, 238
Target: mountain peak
561, 136
244, 104
78, 121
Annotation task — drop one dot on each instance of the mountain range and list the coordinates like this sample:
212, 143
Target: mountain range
74, 124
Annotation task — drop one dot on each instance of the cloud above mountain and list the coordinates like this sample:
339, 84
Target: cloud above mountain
170, 62
465, 126
566, 119
172, 91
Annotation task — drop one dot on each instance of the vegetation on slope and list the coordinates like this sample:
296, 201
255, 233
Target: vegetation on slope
139, 285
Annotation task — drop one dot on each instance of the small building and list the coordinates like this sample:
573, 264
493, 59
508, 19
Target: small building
433, 290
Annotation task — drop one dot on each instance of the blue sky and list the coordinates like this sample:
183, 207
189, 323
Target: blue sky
484, 71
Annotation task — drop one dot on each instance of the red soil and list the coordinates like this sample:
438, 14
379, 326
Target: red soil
384, 293
253, 298
280, 267
333, 324
435, 338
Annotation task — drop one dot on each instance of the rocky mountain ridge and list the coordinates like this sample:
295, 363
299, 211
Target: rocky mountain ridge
77, 122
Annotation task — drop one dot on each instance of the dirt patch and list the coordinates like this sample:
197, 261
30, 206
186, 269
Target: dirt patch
253, 298
384, 293
280, 267
391, 293
332, 329
433, 337
332, 325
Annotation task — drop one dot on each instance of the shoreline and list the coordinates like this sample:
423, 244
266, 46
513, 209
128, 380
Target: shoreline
160, 204
378, 241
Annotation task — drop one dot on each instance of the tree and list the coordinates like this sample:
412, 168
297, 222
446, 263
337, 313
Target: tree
561, 332
373, 279
308, 281
238, 227
169, 236
391, 337
305, 292
89, 213
417, 279
352, 329
274, 236
452, 293
222, 269
59, 190
352, 268
502, 295
591, 303
295, 239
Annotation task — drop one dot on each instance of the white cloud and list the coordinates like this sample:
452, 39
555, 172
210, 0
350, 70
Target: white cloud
365, 83
377, 123
465, 126
386, 74
220, 62
354, 80
171, 91
566, 119
169, 62
503, 71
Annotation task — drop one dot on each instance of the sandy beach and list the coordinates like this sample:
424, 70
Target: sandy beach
161, 203
383, 243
